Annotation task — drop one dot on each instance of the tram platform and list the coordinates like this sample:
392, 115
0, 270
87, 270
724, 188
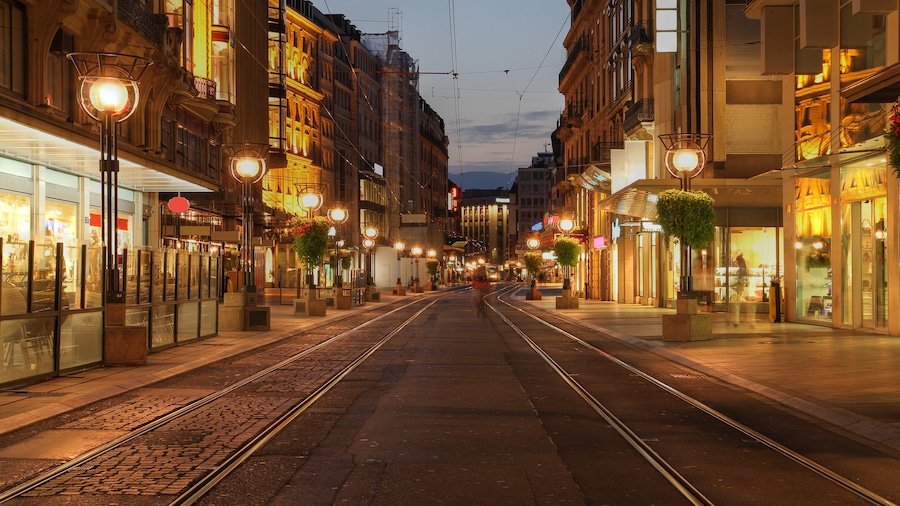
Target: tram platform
847, 378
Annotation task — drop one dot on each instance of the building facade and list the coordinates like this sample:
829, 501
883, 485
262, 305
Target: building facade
838, 85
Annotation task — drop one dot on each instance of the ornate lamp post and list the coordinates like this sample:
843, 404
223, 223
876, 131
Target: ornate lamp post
310, 199
533, 244
338, 216
685, 158
248, 166
109, 92
566, 226
399, 247
370, 234
416, 252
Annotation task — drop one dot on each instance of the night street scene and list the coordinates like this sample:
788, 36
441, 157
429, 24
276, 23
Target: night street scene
377, 252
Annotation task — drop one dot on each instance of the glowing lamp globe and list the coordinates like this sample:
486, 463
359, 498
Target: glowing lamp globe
685, 160
108, 95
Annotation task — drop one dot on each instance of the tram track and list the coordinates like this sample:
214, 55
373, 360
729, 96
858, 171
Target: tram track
691, 492
543, 345
45, 484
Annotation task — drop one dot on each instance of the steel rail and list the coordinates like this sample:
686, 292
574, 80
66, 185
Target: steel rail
205, 484
86, 457
804, 461
643, 449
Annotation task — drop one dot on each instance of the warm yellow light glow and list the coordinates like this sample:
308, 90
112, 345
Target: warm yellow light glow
416, 251
369, 243
338, 215
685, 160
109, 95
310, 201
370, 232
533, 243
247, 168
399, 246
566, 225
431, 253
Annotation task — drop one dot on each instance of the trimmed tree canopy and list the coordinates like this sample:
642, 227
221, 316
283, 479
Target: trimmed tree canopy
690, 215
566, 250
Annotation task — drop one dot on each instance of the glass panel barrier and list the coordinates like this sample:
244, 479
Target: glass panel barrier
163, 325
81, 340
188, 323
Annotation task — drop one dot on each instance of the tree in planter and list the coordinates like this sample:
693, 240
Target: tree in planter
566, 250
431, 265
533, 261
310, 242
690, 216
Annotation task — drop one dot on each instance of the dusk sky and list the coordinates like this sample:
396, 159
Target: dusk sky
507, 56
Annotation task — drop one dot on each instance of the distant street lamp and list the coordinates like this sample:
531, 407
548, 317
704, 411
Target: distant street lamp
248, 166
309, 199
399, 247
109, 92
416, 252
566, 226
338, 216
370, 234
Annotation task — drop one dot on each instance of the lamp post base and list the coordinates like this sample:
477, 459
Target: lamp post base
686, 324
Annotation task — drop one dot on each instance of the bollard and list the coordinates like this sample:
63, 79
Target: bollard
775, 302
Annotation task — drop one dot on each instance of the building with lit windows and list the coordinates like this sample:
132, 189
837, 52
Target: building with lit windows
835, 65
191, 103
484, 222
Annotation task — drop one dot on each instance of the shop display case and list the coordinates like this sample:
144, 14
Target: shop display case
756, 288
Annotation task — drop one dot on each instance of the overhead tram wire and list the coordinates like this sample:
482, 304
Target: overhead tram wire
455, 64
512, 159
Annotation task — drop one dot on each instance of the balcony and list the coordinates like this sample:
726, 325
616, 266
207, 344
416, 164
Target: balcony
149, 25
640, 112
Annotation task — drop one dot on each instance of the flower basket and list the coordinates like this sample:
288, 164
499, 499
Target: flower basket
690, 215
310, 239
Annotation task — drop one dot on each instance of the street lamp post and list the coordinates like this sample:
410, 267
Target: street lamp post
338, 216
109, 92
685, 158
566, 226
399, 247
532, 244
310, 199
370, 234
416, 252
248, 166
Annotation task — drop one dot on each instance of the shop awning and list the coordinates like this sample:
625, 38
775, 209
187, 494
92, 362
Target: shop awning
639, 198
881, 88
28, 144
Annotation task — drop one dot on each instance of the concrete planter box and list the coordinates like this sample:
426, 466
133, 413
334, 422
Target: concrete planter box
123, 345
309, 307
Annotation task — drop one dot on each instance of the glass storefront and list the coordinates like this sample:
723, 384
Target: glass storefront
812, 246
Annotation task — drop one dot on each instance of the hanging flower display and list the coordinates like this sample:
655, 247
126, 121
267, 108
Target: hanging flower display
310, 239
892, 135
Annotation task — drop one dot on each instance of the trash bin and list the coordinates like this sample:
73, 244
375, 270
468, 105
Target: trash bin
775, 302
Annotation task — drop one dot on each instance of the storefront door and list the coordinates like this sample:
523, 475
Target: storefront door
865, 283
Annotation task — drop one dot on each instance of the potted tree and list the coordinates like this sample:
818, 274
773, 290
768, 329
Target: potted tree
431, 265
690, 216
533, 261
566, 250
310, 244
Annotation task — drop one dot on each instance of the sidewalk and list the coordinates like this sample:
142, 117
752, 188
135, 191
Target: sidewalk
847, 378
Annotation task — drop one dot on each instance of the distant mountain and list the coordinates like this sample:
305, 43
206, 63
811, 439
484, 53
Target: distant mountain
483, 180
